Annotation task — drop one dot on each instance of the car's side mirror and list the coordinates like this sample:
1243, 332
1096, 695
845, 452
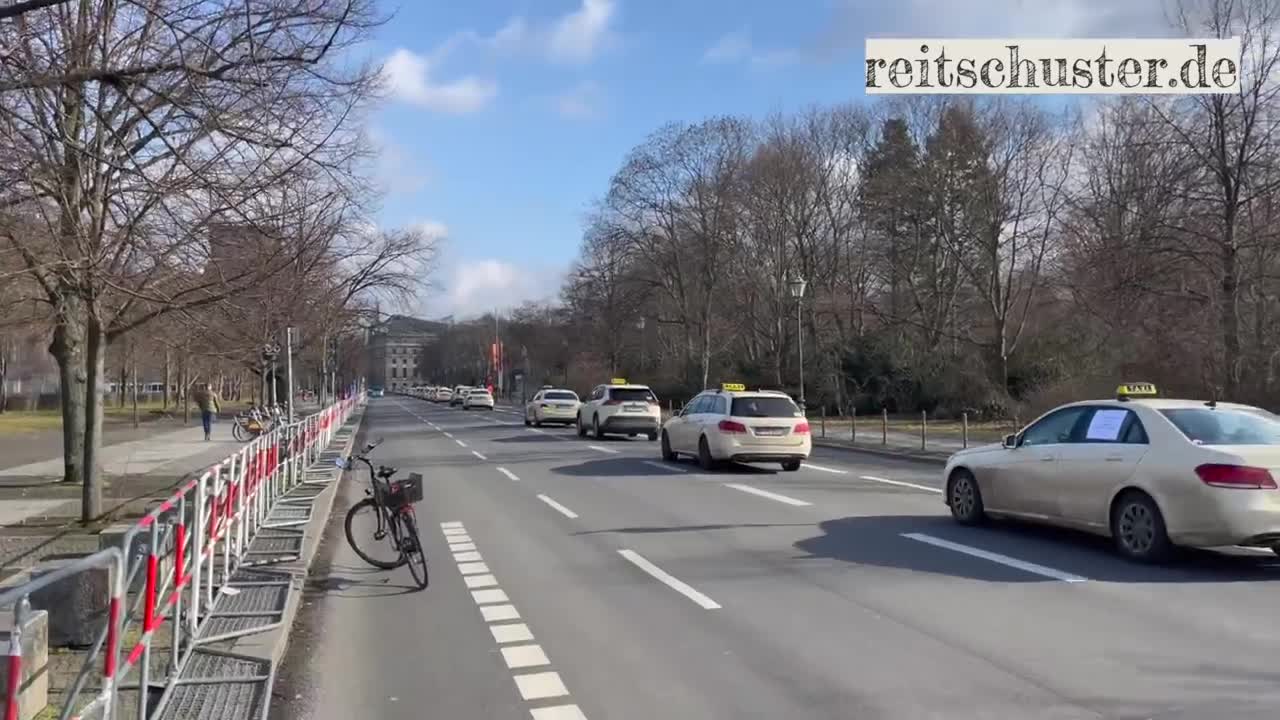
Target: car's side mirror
1011, 441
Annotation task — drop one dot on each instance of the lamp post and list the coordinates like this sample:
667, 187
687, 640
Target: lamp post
640, 325
797, 285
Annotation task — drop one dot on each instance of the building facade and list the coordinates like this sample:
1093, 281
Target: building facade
395, 352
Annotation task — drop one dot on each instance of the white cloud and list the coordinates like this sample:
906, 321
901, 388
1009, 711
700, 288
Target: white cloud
731, 47
583, 101
577, 36
476, 287
408, 76
432, 229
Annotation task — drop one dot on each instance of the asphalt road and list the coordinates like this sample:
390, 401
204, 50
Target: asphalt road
605, 583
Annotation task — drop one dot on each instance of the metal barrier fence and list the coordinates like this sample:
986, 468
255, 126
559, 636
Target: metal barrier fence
165, 578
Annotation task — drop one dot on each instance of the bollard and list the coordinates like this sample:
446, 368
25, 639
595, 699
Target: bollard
884, 426
924, 429
964, 430
853, 424
824, 421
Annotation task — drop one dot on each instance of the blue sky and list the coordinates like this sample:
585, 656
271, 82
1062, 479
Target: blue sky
506, 119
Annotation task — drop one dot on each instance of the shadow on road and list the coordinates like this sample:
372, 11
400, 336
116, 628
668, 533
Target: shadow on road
615, 468
345, 581
878, 540
687, 528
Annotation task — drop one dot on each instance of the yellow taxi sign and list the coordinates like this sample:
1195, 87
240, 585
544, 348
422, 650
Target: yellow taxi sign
618, 381
1136, 390
733, 387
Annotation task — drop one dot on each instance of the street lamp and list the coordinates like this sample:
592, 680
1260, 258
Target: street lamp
797, 285
640, 325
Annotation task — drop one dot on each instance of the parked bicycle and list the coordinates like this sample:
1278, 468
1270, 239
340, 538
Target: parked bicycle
256, 421
385, 520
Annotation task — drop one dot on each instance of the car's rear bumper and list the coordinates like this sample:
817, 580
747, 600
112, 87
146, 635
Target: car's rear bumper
758, 457
1228, 517
551, 416
622, 423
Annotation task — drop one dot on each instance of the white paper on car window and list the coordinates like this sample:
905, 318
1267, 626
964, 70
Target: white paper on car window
1105, 425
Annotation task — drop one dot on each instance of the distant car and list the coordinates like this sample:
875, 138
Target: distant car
1149, 473
739, 425
552, 405
443, 395
621, 408
459, 394
478, 398
375, 392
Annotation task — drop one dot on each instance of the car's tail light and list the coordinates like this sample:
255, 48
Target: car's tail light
731, 426
1236, 476
802, 428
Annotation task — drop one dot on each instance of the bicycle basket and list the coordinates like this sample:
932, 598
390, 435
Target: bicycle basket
405, 492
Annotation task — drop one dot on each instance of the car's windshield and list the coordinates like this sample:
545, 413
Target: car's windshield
764, 407
1221, 426
632, 395
560, 395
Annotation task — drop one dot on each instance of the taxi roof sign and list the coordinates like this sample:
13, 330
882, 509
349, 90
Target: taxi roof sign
733, 387
618, 381
1131, 390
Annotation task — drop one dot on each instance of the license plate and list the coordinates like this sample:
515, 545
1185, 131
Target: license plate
771, 432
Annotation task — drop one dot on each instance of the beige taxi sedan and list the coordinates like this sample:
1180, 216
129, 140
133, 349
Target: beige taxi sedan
1150, 473
737, 425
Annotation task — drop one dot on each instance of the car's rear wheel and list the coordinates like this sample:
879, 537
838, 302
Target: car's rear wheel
1137, 526
667, 453
582, 430
526, 421
536, 421
595, 428
790, 465
964, 497
705, 461
653, 436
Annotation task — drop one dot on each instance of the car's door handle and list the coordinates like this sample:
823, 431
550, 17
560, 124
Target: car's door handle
1114, 458
1047, 458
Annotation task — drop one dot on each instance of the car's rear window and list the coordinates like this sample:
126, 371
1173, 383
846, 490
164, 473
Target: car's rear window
632, 394
479, 392
764, 407
1220, 426
561, 395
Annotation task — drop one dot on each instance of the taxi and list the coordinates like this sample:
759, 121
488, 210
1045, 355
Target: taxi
620, 407
1149, 472
739, 425
552, 405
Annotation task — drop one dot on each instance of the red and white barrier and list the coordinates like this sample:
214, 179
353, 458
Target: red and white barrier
188, 548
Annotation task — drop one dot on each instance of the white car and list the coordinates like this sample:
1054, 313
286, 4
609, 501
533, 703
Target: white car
443, 395
459, 394
552, 405
620, 408
739, 425
478, 398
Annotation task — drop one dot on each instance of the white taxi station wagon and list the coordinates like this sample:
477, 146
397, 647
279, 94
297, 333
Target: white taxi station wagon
739, 425
1149, 472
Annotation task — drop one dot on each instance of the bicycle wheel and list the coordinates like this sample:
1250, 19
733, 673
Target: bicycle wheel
239, 432
366, 521
411, 547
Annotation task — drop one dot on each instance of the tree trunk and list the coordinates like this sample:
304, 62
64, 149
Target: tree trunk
1230, 317
95, 365
4, 373
184, 387
168, 377
68, 351
135, 390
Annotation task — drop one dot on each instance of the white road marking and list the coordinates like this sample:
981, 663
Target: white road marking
510, 475
460, 443
558, 712
536, 686
537, 430
900, 483
669, 580
767, 494
469, 556
480, 581
836, 471
459, 547
490, 596
515, 632
454, 531
448, 434
524, 656
473, 452
664, 466
459, 538
603, 449
494, 613
996, 558
448, 525
475, 568
560, 508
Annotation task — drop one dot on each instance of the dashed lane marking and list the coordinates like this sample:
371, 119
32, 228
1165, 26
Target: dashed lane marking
460, 443
490, 596
510, 475
664, 466
459, 547
467, 556
900, 483
558, 712
996, 558
669, 580
515, 632
524, 656
494, 613
538, 686
478, 455
480, 581
558, 507
603, 449
766, 494
835, 471
455, 531
473, 568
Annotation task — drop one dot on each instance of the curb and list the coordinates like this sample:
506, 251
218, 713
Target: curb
928, 458
270, 646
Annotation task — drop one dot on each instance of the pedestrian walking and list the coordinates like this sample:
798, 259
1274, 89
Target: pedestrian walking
207, 399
